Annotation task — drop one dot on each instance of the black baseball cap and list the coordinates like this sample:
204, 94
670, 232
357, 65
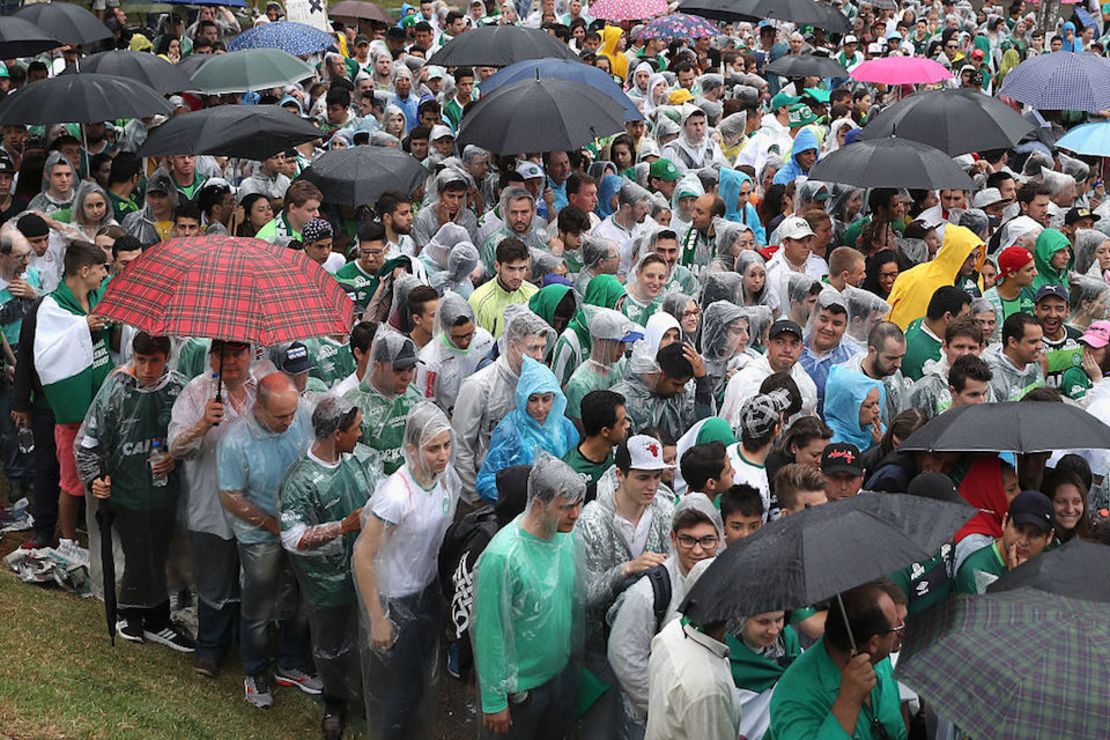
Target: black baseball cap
841, 458
935, 486
783, 326
1075, 214
1056, 291
7, 167
296, 359
1032, 507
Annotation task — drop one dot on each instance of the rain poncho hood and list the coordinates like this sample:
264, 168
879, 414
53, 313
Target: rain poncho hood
912, 290
689, 186
1049, 243
603, 291
982, 487
845, 392
745, 262
609, 186
546, 302
1087, 242
618, 62
791, 171
730, 182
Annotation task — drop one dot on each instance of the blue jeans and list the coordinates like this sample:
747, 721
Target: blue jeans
269, 594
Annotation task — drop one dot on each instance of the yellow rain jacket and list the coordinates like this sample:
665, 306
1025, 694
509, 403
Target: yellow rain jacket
909, 298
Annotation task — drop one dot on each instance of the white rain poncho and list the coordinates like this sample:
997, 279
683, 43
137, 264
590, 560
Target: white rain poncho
689, 189
427, 222
749, 265
437, 258
828, 296
594, 250
759, 323
444, 365
724, 336
722, 286
528, 604
395, 570
865, 309
677, 304
801, 296
1087, 242
1088, 299
725, 249
731, 128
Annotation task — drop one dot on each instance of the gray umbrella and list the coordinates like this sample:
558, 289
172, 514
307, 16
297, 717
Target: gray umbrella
1078, 569
800, 12
250, 69
1011, 426
149, 69
893, 162
359, 175
81, 98
70, 24
499, 46
954, 121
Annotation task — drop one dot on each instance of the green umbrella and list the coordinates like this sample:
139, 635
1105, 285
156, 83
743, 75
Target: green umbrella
250, 69
1013, 664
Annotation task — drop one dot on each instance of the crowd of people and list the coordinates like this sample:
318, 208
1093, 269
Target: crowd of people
571, 380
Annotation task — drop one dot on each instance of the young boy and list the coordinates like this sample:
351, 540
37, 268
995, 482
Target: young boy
742, 511
707, 469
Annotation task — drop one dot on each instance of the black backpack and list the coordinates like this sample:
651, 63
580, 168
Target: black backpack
661, 592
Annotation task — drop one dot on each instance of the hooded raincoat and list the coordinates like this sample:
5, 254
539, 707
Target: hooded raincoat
912, 290
729, 190
805, 140
1049, 243
845, 393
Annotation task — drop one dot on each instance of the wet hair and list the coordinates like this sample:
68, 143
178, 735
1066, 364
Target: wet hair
145, 344
741, 499
599, 410
703, 463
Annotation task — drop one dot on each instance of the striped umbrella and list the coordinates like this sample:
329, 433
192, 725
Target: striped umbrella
1062, 80
628, 10
298, 39
679, 26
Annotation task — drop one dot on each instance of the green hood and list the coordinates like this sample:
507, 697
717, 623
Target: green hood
1049, 243
547, 300
602, 291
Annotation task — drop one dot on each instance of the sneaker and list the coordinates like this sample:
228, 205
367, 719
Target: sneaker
332, 725
257, 692
131, 630
206, 666
171, 638
296, 677
453, 660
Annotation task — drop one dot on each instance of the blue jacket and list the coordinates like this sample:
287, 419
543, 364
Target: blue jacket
791, 171
730, 183
844, 394
518, 436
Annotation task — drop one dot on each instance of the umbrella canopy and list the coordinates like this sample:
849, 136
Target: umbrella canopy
563, 69
223, 287
954, 121
251, 69
679, 26
149, 69
499, 46
807, 65
1062, 80
1016, 664
821, 551
1078, 569
22, 38
1011, 426
358, 9
190, 64
1091, 139
540, 116
359, 175
81, 98
800, 12
208, 3
245, 131
901, 71
628, 10
891, 163
298, 39
70, 24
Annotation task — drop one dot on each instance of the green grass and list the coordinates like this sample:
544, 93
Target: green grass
64, 679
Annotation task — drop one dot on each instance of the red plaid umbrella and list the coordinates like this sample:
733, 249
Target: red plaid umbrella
222, 287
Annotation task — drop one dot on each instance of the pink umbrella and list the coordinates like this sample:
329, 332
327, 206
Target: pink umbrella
901, 71
628, 10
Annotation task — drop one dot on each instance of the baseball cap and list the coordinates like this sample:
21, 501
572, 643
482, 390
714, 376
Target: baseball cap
801, 115
1032, 507
361, 40
663, 169
1097, 334
295, 359
782, 100
32, 225
439, 131
646, 453
605, 323
850, 39
7, 167
760, 414
435, 72
1075, 214
680, 96
4, 70
817, 94
1051, 290
529, 170
795, 227
977, 54
786, 326
841, 458
396, 349
396, 33
935, 486
1012, 259
315, 230
988, 197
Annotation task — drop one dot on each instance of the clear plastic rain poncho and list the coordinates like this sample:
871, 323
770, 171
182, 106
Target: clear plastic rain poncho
801, 295
521, 322
731, 128
1088, 300
395, 569
115, 442
317, 503
605, 365
677, 304
721, 286
1087, 242
688, 190
828, 296
724, 335
444, 365
759, 323
750, 265
529, 605
865, 309
437, 251
725, 243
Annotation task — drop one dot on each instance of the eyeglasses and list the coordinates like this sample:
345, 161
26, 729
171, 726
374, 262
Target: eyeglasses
371, 252
708, 542
459, 338
951, 46
691, 313
899, 629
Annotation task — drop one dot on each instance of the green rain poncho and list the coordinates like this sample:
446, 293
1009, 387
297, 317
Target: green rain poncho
1049, 243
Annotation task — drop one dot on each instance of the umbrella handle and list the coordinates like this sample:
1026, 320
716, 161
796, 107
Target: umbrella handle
220, 381
847, 624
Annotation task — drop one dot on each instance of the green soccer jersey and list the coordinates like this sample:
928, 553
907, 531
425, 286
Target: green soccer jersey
358, 284
334, 361
383, 420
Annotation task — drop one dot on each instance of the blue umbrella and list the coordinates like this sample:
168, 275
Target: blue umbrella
298, 39
1062, 80
563, 69
1091, 139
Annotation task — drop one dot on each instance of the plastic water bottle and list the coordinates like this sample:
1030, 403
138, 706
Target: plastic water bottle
157, 454
26, 440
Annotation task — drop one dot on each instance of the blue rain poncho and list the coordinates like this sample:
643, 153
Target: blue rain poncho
845, 392
518, 436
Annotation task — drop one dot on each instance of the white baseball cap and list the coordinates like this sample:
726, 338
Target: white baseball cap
646, 453
439, 131
529, 170
795, 227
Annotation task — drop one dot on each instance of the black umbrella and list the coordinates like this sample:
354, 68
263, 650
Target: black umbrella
499, 46
822, 551
807, 65
70, 24
81, 98
191, 64
802, 12
149, 69
104, 518
954, 121
1078, 569
540, 115
245, 131
21, 38
1011, 426
359, 175
891, 163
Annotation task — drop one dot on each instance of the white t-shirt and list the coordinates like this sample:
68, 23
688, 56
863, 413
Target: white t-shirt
418, 519
636, 535
751, 475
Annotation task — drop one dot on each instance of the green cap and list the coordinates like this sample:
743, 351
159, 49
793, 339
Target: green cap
663, 169
821, 96
801, 115
782, 100
4, 70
